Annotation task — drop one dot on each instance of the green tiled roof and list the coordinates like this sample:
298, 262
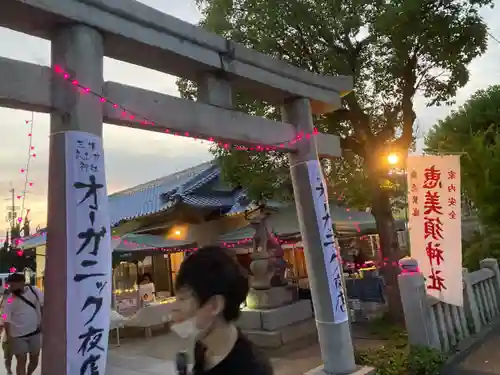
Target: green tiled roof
285, 222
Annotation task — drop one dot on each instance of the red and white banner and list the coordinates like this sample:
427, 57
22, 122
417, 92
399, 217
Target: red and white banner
434, 203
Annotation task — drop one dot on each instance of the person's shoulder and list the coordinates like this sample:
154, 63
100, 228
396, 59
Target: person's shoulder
37, 291
256, 362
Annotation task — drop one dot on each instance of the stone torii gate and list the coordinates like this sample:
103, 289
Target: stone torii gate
82, 32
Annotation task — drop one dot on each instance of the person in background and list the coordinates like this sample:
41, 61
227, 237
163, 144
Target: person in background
359, 258
147, 288
210, 289
23, 317
146, 279
7, 353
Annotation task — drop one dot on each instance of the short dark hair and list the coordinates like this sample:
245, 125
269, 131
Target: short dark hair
209, 272
15, 278
148, 275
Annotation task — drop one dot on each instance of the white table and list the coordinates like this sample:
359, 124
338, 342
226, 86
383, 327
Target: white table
117, 321
154, 314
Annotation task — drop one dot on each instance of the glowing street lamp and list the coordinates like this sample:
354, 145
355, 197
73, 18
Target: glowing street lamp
177, 232
393, 159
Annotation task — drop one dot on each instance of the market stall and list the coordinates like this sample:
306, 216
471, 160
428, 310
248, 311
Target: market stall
133, 256
145, 305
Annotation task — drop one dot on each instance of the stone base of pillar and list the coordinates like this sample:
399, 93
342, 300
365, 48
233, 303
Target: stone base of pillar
283, 336
361, 370
273, 328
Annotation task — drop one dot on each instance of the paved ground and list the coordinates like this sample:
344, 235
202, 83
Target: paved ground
293, 360
485, 360
154, 356
129, 365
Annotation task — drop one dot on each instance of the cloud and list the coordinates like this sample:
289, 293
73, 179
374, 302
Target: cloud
132, 156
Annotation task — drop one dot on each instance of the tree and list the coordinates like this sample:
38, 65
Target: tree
476, 116
393, 49
474, 130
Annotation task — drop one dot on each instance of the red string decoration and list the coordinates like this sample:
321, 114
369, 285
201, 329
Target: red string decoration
144, 121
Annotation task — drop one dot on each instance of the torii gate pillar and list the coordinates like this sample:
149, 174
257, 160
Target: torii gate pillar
335, 339
80, 50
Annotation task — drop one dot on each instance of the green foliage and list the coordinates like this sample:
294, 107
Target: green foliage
481, 180
265, 177
397, 358
425, 361
383, 328
389, 359
394, 49
481, 246
474, 131
477, 115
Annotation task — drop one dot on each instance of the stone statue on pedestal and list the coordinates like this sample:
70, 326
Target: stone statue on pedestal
261, 266
273, 315
268, 288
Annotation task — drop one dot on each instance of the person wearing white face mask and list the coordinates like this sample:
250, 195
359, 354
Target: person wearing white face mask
210, 289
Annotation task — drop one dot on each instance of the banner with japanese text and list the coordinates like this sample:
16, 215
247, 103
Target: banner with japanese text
331, 253
89, 256
434, 204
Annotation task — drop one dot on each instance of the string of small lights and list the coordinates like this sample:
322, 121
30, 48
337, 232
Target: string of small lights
24, 212
145, 121
134, 246
26, 170
23, 215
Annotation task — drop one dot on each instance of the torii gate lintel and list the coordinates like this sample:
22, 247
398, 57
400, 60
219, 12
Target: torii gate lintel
27, 86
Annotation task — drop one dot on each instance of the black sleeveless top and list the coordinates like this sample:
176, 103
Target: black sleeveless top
243, 359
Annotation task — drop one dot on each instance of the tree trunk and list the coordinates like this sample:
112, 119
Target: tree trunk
390, 251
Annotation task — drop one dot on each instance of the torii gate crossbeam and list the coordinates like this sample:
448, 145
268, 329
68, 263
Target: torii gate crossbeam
27, 86
82, 32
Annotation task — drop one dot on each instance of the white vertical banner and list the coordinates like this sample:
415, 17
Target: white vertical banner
434, 203
332, 258
89, 255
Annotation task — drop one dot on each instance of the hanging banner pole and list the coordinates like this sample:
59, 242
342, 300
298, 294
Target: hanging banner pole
89, 256
331, 253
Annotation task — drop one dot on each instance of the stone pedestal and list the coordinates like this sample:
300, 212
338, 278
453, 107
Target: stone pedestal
275, 327
273, 317
272, 297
